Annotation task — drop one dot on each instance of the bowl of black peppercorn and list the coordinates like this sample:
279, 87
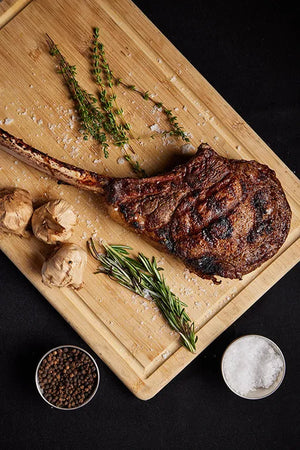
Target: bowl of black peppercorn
67, 377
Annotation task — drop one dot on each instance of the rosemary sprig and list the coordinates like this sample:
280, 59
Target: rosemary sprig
143, 277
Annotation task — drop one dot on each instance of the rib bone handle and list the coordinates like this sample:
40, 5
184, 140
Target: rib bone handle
220, 216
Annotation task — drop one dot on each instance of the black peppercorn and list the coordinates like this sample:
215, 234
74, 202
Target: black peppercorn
65, 376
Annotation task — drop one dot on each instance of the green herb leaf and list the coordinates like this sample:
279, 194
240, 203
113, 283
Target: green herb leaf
143, 277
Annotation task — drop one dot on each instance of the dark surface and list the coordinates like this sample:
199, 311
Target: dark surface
248, 52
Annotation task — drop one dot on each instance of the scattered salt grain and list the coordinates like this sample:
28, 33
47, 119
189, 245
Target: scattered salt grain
8, 121
121, 160
146, 294
251, 363
165, 354
187, 149
155, 127
173, 79
156, 109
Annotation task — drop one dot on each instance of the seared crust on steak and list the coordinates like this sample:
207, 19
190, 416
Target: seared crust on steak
220, 216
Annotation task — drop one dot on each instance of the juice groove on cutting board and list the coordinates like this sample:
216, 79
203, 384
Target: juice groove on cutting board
126, 331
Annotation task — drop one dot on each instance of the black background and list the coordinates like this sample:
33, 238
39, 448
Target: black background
248, 52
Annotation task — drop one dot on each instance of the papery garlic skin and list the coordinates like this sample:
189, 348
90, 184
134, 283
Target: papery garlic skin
54, 221
15, 210
65, 267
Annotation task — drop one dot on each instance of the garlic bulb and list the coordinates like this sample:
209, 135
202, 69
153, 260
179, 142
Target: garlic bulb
15, 210
54, 221
65, 267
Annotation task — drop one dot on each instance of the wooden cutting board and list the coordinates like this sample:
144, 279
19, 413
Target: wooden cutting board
9, 9
126, 331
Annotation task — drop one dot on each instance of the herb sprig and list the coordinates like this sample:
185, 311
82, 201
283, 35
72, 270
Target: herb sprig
106, 119
176, 129
120, 132
143, 277
91, 117
100, 66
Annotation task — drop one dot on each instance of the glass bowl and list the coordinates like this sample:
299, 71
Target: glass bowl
40, 390
259, 392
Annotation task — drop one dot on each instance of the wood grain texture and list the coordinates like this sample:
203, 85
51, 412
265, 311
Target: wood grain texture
5, 5
10, 8
126, 331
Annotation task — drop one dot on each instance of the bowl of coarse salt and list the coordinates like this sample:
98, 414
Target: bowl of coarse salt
253, 367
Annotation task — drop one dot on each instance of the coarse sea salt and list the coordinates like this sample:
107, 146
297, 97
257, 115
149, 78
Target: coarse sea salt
251, 363
187, 148
8, 121
155, 127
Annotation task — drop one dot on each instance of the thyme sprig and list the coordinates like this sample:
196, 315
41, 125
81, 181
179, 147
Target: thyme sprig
118, 131
143, 277
106, 119
135, 166
176, 129
91, 116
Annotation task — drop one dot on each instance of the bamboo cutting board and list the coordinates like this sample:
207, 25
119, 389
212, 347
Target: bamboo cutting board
126, 331
9, 9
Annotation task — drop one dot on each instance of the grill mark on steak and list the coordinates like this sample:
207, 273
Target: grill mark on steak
207, 264
223, 223
221, 217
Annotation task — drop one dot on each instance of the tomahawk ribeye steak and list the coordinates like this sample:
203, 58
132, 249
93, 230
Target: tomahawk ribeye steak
220, 216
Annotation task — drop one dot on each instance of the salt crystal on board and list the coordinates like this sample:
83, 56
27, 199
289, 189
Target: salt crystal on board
187, 148
156, 128
165, 354
8, 121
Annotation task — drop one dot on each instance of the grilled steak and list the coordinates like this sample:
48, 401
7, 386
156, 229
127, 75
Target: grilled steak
220, 216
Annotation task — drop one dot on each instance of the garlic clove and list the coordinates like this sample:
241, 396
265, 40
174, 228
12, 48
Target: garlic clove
15, 210
65, 267
54, 221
